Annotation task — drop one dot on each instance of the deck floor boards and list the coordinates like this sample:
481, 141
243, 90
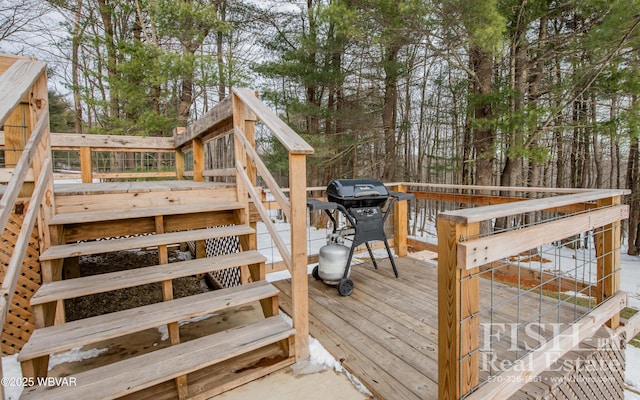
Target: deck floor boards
385, 333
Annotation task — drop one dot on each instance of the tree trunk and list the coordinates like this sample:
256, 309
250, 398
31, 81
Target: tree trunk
633, 183
75, 68
390, 112
484, 135
112, 57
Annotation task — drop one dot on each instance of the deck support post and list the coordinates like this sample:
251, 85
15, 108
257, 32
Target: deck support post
458, 320
607, 243
179, 154
299, 275
85, 164
400, 224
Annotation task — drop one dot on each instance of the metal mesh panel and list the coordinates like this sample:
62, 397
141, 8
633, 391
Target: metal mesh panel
219, 246
228, 277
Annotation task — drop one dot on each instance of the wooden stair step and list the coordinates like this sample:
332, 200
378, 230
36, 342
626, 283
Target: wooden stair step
52, 339
106, 246
96, 216
88, 285
133, 374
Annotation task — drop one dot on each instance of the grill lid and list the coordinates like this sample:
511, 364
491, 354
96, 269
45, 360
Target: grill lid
357, 192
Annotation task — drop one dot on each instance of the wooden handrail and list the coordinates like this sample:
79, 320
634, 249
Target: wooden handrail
24, 82
13, 270
21, 170
276, 191
519, 189
289, 139
477, 252
282, 248
471, 215
16, 83
72, 141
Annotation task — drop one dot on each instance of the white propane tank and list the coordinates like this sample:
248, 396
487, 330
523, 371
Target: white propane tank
332, 262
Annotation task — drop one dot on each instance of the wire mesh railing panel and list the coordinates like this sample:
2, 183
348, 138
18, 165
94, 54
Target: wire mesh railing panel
529, 298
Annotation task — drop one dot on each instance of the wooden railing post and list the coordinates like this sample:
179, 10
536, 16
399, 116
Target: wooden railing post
400, 224
17, 129
85, 164
299, 276
458, 306
607, 243
179, 154
198, 160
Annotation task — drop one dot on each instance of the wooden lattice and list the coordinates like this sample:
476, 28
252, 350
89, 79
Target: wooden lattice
20, 324
220, 246
217, 247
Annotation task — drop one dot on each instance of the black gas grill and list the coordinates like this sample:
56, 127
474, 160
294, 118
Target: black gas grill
366, 204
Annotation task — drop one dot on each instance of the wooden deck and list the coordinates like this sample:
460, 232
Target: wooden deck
386, 334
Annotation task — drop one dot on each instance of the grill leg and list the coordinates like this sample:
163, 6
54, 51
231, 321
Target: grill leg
346, 269
393, 263
373, 259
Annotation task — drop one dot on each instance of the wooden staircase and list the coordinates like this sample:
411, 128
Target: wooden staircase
156, 215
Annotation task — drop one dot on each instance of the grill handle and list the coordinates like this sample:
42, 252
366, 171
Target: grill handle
367, 193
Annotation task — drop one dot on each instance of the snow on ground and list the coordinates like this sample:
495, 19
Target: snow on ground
12, 373
632, 374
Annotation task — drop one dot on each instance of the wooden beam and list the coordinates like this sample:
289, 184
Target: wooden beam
289, 139
7, 173
219, 114
484, 200
7, 287
86, 166
275, 236
299, 277
15, 84
22, 168
128, 175
504, 210
400, 224
481, 251
458, 320
520, 373
179, 154
607, 242
111, 142
277, 193
630, 329
198, 160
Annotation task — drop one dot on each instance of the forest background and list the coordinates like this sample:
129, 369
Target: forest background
485, 92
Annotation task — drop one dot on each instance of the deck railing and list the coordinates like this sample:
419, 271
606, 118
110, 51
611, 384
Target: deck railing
237, 116
27, 149
492, 344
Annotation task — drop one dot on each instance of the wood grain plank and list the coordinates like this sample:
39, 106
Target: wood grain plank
16, 82
111, 142
71, 288
94, 216
475, 253
106, 246
376, 378
128, 376
289, 139
503, 210
91, 330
